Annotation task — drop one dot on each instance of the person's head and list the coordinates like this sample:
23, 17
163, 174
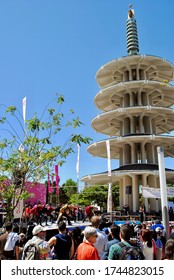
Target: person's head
169, 249
77, 231
39, 231
62, 227
158, 230
22, 236
76, 234
172, 235
147, 237
8, 226
115, 231
39, 203
71, 207
125, 232
15, 228
90, 234
95, 221
144, 225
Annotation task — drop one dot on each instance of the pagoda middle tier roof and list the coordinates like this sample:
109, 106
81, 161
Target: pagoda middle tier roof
160, 93
109, 123
98, 149
131, 169
157, 68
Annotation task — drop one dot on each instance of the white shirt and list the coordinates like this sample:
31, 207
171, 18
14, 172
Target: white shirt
147, 251
100, 243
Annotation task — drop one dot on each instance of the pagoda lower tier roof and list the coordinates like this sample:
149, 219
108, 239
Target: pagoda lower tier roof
160, 93
116, 143
110, 122
127, 170
157, 69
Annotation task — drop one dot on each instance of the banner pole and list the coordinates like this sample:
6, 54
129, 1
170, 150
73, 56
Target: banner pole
163, 188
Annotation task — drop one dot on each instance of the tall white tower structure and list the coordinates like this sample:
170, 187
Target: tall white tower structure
135, 100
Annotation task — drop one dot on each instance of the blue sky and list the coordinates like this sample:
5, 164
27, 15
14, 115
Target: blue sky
56, 46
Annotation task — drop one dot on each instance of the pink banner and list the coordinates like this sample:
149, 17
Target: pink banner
57, 179
38, 192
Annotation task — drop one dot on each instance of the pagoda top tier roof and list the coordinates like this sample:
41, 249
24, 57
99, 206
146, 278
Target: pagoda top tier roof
157, 69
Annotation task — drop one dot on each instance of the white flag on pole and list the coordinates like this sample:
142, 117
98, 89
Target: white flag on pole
109, 156
24, 104
78, 160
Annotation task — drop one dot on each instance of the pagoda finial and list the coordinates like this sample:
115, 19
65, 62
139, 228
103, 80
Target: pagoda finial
130, 12
132, 35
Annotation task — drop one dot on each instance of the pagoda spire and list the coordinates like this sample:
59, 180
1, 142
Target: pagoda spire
132, 35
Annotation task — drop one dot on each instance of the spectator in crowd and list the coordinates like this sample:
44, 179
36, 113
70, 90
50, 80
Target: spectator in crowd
86, 250
115, 238
137, 230
29, 230
160, 241
171, 214
3, 239
146, 244
9, 250
157, 223
2, 213
38, 235
172, 235
101, 238
20, 245
61, 243
125, 235
77, 239
169, 250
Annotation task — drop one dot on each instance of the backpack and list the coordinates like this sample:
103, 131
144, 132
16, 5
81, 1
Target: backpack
31, 250
130, 252
11, 241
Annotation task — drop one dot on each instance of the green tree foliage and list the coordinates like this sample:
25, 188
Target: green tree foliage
69, 182
96, 195
28, 152
68, 189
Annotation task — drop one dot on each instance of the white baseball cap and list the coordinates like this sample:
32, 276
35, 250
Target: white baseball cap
37, 229
158, 229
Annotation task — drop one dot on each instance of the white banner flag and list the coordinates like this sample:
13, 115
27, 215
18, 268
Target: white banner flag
78, 161
109, 156
24, 104
156, 193
19, 207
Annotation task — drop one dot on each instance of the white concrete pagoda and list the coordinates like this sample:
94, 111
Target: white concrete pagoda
136, 100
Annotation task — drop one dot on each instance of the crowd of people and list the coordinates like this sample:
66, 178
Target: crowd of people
97, 241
